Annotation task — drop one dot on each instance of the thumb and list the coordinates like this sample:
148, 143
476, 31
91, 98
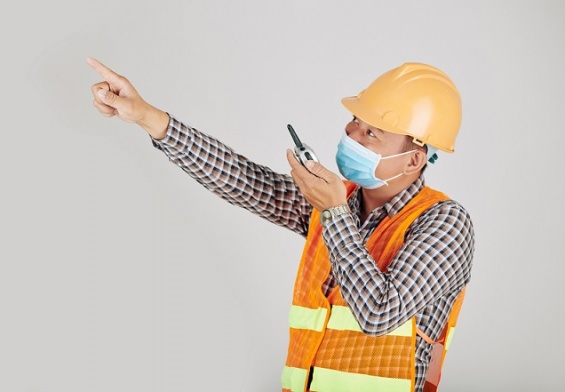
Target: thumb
317, 169
110, 99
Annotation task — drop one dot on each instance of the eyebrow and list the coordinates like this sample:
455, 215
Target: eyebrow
380, 131
370, 126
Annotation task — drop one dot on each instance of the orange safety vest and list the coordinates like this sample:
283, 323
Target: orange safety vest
326, 338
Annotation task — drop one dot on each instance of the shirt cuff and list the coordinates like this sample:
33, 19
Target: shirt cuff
178, 137
342, 230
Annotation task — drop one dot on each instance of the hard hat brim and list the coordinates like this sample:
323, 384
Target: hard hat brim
359, 110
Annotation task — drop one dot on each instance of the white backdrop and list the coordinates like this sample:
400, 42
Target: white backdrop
119, 273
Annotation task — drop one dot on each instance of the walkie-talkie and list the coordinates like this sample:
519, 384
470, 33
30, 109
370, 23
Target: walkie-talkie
301, 151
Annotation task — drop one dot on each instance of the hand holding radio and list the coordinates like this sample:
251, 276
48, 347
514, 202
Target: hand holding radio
322, 188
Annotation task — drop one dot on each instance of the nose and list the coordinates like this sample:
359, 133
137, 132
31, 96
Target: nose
355, 131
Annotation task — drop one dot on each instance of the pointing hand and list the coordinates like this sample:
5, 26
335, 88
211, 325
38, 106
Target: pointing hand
116, 96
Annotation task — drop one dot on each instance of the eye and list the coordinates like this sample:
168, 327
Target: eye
371, 133
355, 120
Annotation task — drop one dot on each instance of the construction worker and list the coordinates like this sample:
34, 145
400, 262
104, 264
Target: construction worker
386, 259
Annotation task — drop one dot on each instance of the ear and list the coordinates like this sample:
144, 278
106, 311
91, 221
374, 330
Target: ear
416, 163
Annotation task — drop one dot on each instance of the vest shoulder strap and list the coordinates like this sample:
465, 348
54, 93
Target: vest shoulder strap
389, 236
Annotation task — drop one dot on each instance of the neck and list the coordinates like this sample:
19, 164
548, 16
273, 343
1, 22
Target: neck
374, 198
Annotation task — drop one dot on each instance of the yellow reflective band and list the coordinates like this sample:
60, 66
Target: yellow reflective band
306, 318
449, 337
328, 380
404, 330
342, 319
294, 378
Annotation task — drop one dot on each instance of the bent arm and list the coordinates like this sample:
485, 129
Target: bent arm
239, 181
435, 260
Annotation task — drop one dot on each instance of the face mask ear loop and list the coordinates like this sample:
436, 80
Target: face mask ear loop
392, 178
394, 156
399, 154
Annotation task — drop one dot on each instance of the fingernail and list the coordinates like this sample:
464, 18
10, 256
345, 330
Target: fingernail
102, 93
309, 164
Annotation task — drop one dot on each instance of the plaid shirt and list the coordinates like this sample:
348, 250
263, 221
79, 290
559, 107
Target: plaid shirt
423, 280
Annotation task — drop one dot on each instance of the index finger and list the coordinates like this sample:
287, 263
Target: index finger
105, 72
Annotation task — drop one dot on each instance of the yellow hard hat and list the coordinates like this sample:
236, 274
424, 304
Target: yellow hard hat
414, 99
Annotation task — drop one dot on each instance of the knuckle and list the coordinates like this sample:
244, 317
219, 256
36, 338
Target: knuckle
122, 80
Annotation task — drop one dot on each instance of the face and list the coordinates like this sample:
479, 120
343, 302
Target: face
381, 142
375, 139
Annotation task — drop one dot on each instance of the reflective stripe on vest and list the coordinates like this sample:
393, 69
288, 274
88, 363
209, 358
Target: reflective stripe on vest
306, 318
293, 379
342, 319
328, 380
449, 337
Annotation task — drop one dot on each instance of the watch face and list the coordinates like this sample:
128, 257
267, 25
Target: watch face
325, 217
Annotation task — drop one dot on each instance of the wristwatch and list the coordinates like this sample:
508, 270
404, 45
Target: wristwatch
330, 213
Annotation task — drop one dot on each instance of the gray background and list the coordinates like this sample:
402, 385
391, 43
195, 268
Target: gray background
119, 273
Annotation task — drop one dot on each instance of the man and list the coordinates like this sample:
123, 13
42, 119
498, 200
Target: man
387, 258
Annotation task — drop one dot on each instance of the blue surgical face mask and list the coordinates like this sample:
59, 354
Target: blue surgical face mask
358, 164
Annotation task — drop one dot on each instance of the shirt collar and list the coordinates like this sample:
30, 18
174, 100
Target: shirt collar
398, 202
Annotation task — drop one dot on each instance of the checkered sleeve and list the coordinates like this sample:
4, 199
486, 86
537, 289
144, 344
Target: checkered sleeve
435, 260
239, 181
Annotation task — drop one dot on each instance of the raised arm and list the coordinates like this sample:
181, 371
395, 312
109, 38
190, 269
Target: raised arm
236, 179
